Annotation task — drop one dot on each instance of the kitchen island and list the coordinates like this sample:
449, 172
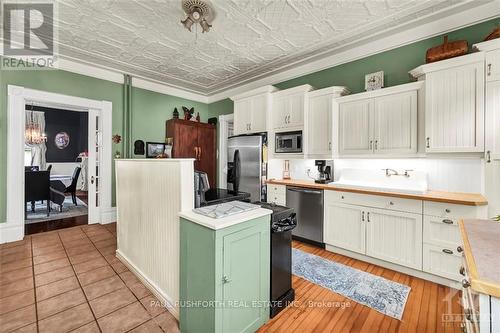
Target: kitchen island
224, 272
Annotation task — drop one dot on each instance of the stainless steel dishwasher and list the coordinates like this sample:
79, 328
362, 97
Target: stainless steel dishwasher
308, 205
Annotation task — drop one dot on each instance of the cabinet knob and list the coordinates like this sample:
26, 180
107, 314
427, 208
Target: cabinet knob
428, 142
460, 249
391, 203
447, 210
465, 283
342, 197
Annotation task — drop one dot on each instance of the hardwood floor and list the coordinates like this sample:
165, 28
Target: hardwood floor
35, 228
318, 309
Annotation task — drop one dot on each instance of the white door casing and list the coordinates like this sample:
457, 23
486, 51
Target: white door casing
13, 228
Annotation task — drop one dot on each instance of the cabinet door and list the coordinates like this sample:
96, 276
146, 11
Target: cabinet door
395, 123
442, 261
279, 112
454, 109
344, 226
491, 186
185, 140
493, 65
492, 134
245, 274
394, 237
207, 160
295, 110
356, 130
258, 114
319, 126
242, 109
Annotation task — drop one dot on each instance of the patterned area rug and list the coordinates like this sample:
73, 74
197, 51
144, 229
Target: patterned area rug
378, 293
69, 210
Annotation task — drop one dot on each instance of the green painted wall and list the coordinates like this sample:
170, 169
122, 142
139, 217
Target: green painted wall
150, 110
395, 63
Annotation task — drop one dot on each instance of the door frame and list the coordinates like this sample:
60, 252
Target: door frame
224, 121
17, 98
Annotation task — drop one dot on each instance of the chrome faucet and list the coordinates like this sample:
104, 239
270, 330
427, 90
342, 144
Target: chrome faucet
392, 172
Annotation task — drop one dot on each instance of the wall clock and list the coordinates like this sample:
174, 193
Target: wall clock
374, 81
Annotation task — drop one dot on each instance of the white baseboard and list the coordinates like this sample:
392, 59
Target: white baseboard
395, 267
11, 233
164, 298
108, 215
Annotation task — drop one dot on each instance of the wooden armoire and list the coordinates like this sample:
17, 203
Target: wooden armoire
195, 140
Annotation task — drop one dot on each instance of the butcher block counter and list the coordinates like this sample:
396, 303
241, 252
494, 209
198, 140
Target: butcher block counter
468, 199
481, 239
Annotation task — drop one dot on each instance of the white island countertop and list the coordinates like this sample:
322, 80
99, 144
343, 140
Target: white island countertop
224, 222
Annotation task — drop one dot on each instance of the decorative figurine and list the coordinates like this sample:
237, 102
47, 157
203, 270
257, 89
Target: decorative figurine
117, 138
118, 154
176, 114
188, 113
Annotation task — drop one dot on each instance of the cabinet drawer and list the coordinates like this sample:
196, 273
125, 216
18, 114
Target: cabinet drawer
279, 199
367, 200
446, 210
441, 231
436, 261
277, 189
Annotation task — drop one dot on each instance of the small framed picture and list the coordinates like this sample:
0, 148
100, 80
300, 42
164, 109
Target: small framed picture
155, 149
374, 81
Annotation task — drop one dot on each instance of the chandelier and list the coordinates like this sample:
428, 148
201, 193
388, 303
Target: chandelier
33, 134
197, 11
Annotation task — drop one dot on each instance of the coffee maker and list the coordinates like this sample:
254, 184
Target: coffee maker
325, 171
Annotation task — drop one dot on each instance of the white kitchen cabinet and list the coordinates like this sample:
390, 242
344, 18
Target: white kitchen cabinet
381, 122
454, 104
321, 122
493, 65
356, 130
288, 107
276, 194
394, 237
442, 261
395, 123
344, 226
492, 134
251, 110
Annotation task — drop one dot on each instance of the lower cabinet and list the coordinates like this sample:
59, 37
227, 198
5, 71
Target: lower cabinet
394, 237
276, 194
442, 261
344, 226
224, 277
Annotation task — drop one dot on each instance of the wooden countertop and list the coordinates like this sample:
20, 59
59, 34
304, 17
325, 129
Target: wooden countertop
481, 240
468, 199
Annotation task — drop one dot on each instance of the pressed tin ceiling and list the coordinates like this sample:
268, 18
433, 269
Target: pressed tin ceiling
249, 38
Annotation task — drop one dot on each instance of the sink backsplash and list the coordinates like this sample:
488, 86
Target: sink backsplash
447, 174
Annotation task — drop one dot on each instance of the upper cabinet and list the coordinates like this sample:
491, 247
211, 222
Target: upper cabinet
288, 108
251, 110
454, 104
491, 49
319, 129
380, 122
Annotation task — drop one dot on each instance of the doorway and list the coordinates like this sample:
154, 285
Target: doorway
226, 129
99, 143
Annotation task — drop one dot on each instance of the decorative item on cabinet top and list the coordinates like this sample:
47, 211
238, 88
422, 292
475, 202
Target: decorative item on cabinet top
446, 50
374, 81
494, 34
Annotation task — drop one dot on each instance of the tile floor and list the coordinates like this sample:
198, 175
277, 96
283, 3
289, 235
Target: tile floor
70, 280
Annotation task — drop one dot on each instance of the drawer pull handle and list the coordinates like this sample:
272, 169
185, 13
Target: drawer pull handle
363, 216
447, 251
465, 283
462, 270
460, 249
447, 221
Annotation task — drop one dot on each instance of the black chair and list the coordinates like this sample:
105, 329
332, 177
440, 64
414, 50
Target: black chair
72, 187
36, 188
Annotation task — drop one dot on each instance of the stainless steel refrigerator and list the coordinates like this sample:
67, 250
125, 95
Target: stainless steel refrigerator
246, 169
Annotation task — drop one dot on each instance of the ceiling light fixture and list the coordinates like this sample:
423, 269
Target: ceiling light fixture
197, 11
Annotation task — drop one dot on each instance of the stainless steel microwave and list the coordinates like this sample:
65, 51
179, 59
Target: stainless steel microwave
288, 142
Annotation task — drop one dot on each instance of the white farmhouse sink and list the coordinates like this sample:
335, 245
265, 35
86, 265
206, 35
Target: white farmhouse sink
377, 180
